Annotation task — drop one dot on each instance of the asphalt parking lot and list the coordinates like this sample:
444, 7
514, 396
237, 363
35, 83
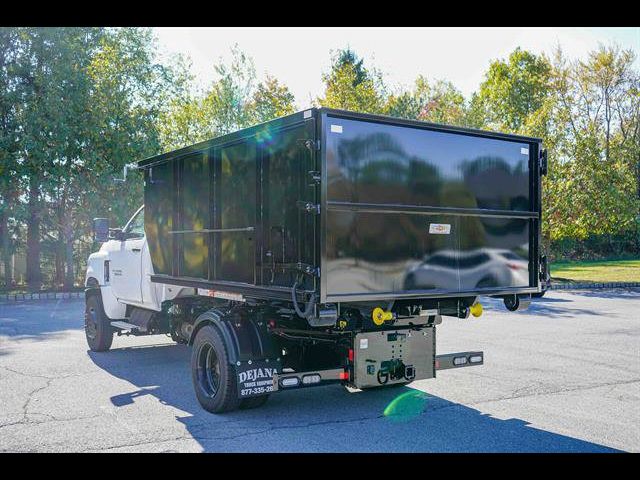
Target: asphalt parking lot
563, 376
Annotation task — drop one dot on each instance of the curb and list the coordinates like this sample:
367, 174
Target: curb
593, 286
16, 297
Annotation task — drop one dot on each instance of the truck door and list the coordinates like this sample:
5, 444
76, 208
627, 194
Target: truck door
126, 263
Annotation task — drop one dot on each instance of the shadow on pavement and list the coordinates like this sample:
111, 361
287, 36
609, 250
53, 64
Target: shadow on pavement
40, 319
327, 418
547, 307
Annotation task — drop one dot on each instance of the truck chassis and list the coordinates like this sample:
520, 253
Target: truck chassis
243, 352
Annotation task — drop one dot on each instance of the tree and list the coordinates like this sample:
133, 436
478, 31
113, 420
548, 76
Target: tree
350, 86
50, 64
9, 166
233, 101
513, 90
77, 104
437, 102
131, 92
598, 103
270, 100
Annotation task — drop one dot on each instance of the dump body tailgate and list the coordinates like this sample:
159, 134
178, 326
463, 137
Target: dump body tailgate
418, 210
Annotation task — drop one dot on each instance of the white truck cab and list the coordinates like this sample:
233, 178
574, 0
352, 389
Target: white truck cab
122, 270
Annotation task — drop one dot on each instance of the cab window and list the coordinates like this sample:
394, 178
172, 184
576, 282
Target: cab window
135, 227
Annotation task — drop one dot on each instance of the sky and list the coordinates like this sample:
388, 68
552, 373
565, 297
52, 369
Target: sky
298, 56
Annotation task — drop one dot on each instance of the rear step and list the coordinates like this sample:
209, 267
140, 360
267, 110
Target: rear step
127, 326
458, 360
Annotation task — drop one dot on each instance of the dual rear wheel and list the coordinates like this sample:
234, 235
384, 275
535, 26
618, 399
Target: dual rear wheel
214, 377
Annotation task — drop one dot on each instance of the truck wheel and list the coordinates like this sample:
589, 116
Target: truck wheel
253, 402
97, 326
214, 378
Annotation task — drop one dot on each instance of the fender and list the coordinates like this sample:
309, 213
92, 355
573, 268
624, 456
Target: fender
91, 290
245, 334
112, 308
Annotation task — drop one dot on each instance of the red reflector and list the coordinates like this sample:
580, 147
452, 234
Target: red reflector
344, 376
351, 354
437, 363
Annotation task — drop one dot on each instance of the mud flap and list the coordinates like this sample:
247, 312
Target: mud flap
255, 377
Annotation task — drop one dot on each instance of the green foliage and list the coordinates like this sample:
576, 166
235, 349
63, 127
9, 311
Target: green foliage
130, 92
586, 113
513, 90
350, 86
234, 101
86, 101
437, 102
271, 100
594, 133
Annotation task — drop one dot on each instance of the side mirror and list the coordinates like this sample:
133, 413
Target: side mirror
116, 234
101, 229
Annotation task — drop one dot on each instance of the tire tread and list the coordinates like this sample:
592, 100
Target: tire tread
104, 335
226, 399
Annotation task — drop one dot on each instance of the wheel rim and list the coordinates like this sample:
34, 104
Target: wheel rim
208, 370
90, 323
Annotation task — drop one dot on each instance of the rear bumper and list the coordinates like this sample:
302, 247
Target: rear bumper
459, 360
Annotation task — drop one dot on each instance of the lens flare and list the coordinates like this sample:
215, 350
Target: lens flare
266, 139
406, 406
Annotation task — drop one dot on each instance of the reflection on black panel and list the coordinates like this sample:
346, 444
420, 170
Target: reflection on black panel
373, 252
469, 270
376, 163
286, 163
237, 184
159, 216
195, 215
395, 252
236, 249
505, 244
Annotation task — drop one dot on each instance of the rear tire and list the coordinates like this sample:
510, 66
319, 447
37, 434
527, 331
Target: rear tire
97, 326
253, 402
214, 378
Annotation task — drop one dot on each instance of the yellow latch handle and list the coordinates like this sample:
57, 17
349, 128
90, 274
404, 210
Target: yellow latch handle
379, 316
476, 309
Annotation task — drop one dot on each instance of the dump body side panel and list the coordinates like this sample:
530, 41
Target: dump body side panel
229, 214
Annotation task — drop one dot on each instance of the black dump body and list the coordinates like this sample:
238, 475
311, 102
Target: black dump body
351, 207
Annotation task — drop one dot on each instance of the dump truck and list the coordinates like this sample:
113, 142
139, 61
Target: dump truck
324, 247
